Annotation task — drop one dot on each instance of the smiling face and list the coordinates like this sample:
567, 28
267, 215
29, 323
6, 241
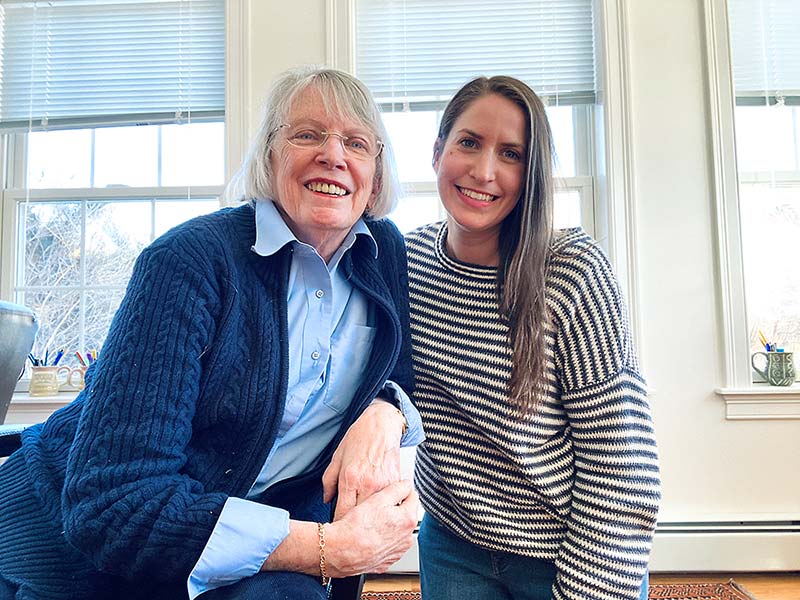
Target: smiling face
321, 191
480, 169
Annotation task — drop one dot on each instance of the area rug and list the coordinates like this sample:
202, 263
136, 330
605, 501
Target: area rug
699, 591
669, 591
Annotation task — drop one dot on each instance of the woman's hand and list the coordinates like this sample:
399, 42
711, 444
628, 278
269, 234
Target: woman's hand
375, 534
367, 459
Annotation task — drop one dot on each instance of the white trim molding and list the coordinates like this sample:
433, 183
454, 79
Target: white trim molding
340, 28
726, 195
616, 184
237, 83
761, 402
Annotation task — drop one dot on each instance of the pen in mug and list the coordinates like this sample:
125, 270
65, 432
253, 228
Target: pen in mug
58, 357
763, 340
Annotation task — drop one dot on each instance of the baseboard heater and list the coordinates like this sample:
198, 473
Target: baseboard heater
727, 546
739, 546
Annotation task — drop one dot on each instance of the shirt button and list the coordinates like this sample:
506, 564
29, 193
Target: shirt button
319, 293
315, 355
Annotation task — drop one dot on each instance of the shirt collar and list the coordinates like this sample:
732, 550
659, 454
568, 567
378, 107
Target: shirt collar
272, 233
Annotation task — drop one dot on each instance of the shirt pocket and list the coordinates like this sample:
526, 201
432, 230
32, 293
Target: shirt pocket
351, 351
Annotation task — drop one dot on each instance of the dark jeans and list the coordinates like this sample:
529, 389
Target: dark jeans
262, 586
451, 568
279, 585
7, 591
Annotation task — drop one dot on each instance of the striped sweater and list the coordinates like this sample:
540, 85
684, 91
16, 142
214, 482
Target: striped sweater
576, 484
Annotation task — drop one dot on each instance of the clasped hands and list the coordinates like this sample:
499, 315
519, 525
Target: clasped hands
376, 512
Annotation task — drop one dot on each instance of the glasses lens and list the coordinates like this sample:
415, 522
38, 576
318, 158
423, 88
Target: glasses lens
307, 138
360, 146
357, 145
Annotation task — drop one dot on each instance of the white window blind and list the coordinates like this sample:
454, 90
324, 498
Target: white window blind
765, 44
74, 63
422, 51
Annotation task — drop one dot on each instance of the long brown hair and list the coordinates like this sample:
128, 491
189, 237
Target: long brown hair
525, 236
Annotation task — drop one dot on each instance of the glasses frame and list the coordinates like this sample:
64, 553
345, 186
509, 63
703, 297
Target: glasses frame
325, 135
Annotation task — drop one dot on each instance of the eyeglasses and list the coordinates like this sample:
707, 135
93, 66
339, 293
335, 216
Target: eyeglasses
357, 146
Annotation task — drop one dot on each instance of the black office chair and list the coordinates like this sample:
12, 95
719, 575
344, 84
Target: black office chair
348, 588
18, 326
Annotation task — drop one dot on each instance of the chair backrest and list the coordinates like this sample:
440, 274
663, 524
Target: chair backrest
18, 327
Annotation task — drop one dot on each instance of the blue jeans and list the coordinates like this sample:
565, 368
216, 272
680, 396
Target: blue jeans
278, 585
451, 568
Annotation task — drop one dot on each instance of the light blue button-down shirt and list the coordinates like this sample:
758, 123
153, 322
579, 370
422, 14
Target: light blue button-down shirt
331, 331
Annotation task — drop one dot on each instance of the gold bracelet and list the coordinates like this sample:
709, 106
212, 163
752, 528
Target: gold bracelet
322, 570
405, 423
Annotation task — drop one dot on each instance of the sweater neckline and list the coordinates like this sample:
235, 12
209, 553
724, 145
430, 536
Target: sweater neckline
457, 266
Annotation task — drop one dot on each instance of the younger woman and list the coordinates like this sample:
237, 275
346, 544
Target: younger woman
539, 474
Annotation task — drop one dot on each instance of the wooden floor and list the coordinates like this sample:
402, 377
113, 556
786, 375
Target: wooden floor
764, 586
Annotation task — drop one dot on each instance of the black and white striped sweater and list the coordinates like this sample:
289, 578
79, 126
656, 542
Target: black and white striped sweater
576, 484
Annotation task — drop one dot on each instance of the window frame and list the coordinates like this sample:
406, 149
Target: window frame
12, 198
613, 198
341, 54
13, 150
743, 398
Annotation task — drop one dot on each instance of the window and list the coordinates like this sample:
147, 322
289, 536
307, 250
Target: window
414, 54
113, 134
765, 51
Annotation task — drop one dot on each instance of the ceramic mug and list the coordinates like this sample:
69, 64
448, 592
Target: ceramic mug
48, 381
779, 367
75, 378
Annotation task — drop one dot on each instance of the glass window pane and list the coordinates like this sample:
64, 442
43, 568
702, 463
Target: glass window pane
193, 154
100, 308
562, 126
415, 211
116, 232
413, 135
173, 212
126, 156
770, 230
767, 138
58, 312
59, 159
52, 244
566, 209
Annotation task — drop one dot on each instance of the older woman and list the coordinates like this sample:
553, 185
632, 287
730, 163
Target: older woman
240, 358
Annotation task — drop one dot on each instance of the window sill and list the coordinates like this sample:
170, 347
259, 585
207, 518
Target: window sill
26, 409
761, 402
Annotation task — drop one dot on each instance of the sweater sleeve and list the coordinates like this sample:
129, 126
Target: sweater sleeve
395, 268
127, 506
616, 491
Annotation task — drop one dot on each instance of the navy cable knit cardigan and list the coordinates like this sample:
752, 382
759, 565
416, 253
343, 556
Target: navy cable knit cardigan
121, 489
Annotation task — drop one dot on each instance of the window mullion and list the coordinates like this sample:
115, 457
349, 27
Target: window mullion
16, 162
583, 136
92, 156
82, 294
